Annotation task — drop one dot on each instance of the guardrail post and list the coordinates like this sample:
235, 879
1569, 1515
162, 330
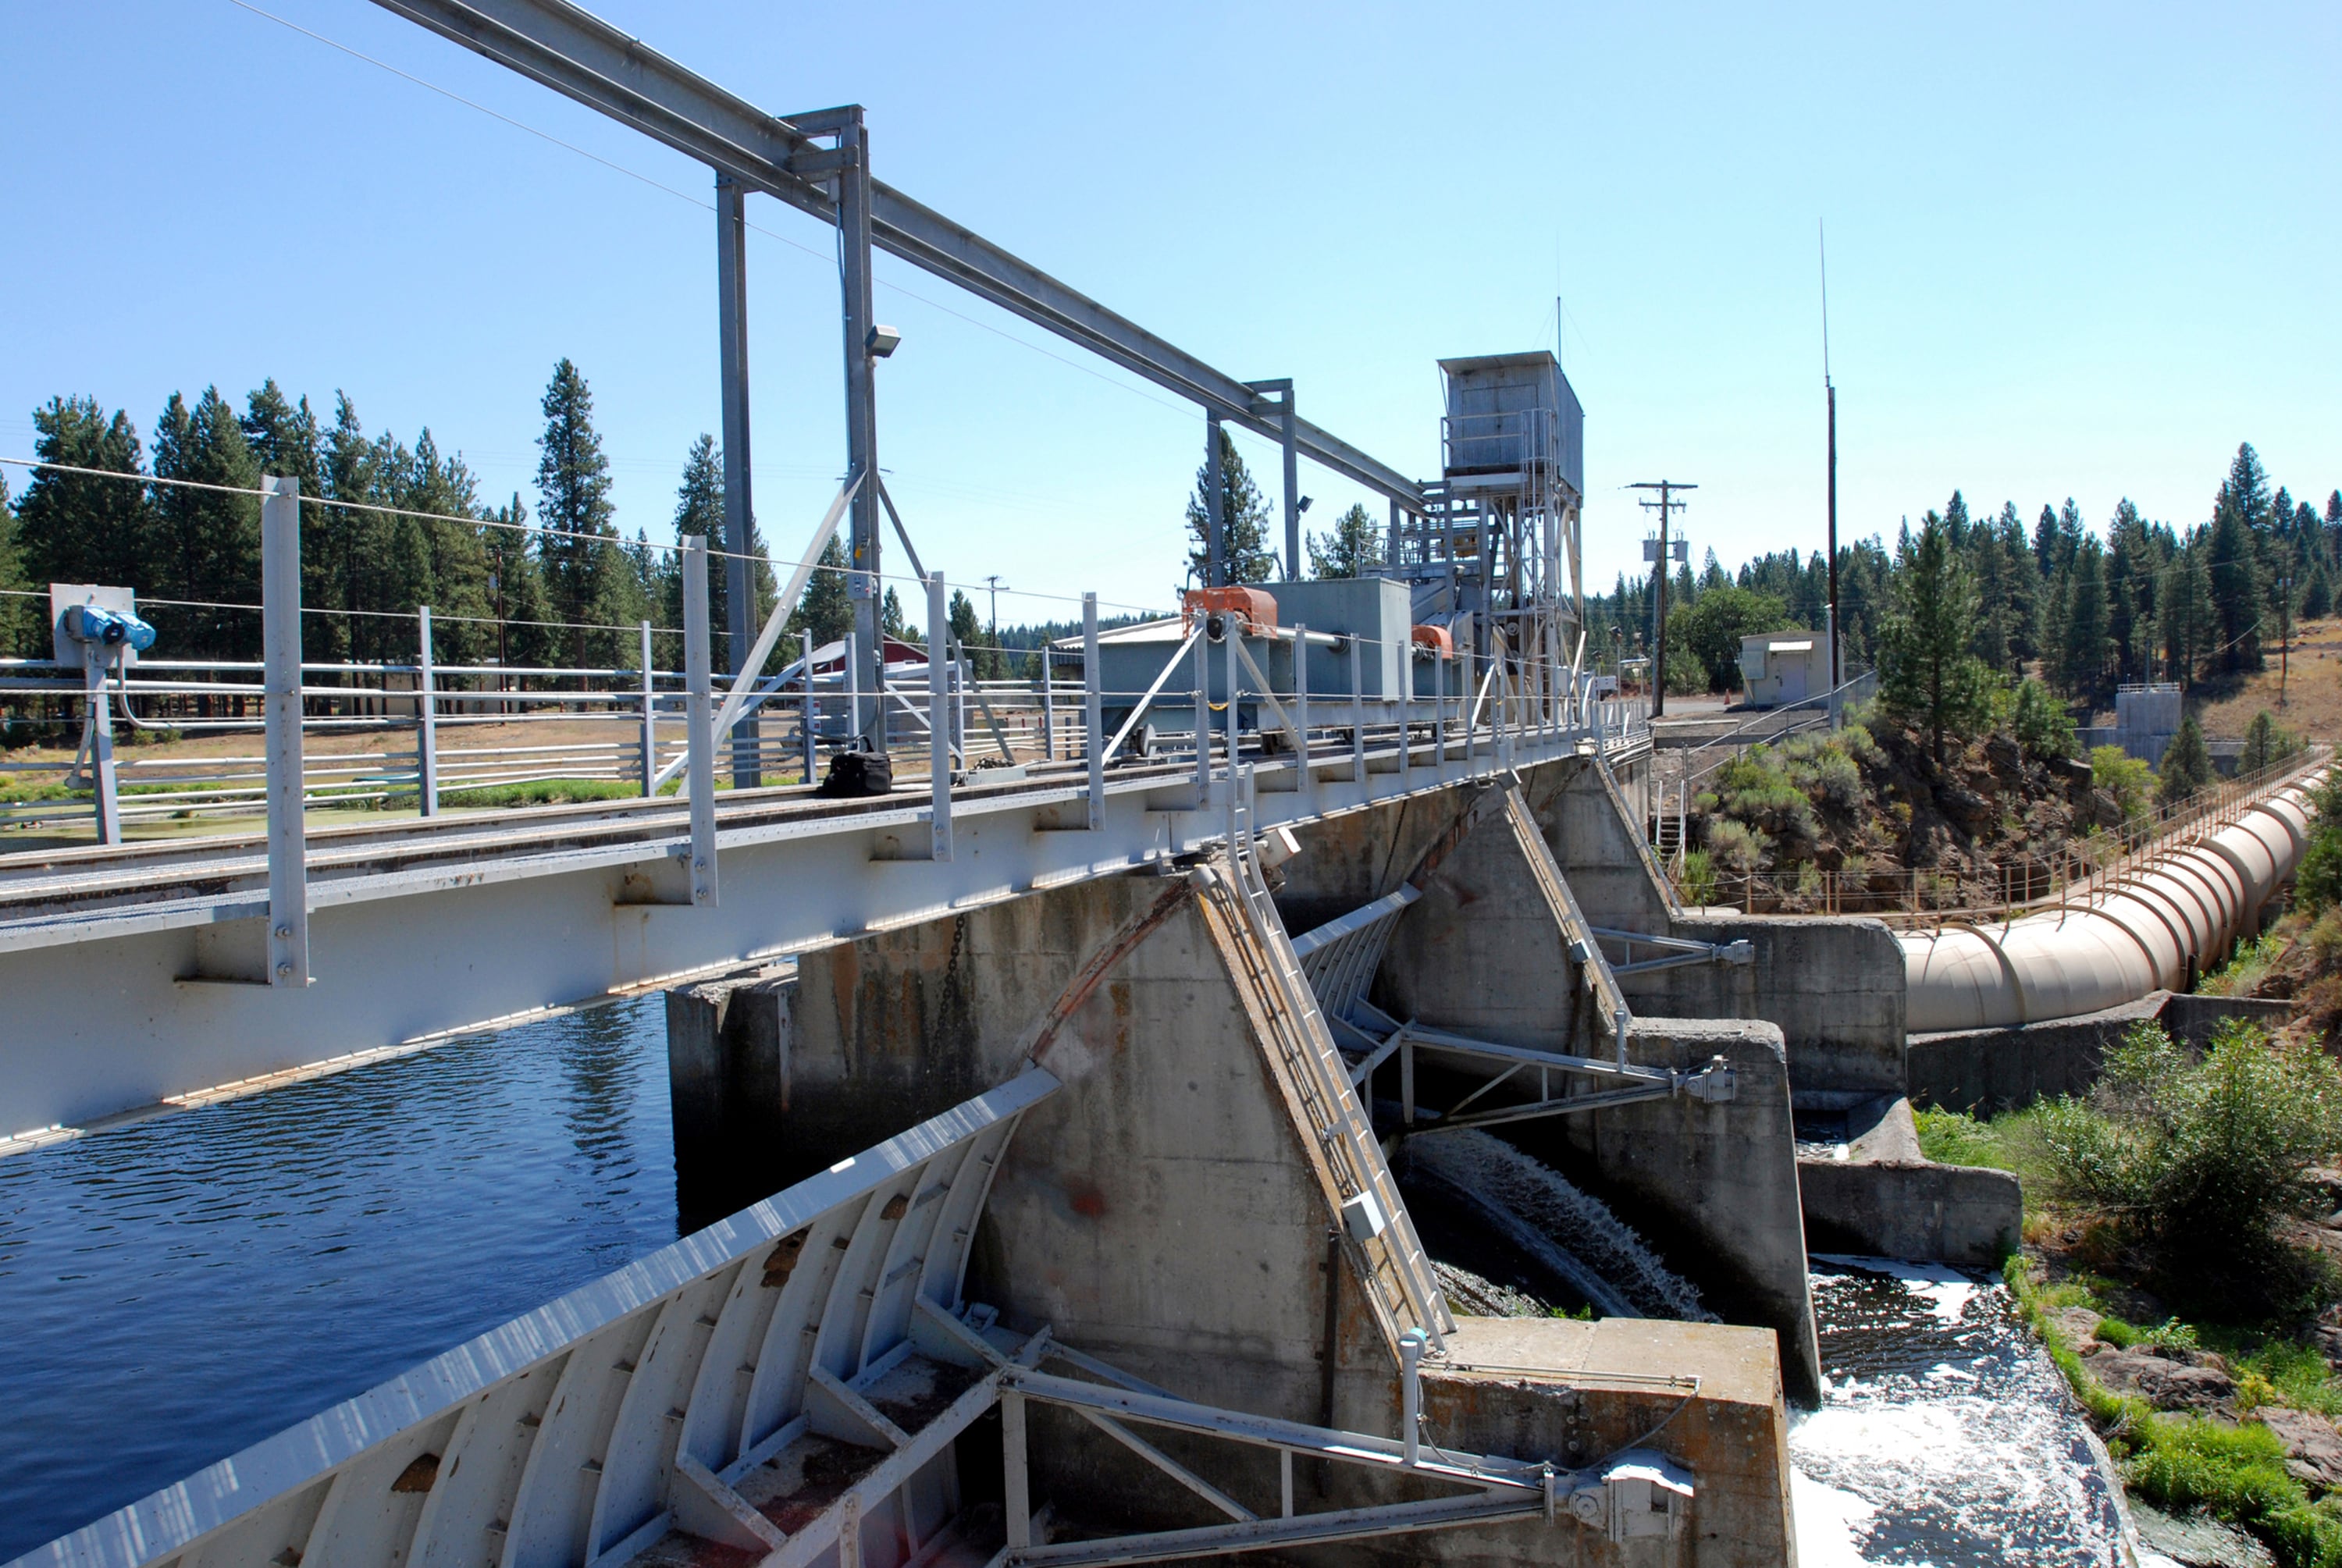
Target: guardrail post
1048, 705
280, 636
1094, 710
1203, 722
1439, 714
1358, 711
650, 719
426, 717
1235, 630
97, 722
1301, 705
699, 745
939, 683
811, 722
854, 688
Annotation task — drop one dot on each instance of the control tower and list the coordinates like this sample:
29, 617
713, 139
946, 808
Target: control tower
1496, 554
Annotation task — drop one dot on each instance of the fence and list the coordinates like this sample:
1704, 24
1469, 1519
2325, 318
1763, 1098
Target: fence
2077, 873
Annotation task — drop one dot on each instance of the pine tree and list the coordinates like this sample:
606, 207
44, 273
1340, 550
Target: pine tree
2024, 587
826, 609
699, 509
209, 543
455, 556
345, 545
1244, 522
1352, 548
585, 573
2187, 765
285, 440
969, 635
1927, 676
19, 616
2237, 597
2044, 541
76, 527
2084, 660
2190, 626
516, 594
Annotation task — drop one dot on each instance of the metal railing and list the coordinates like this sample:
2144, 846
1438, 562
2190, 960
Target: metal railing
347, 736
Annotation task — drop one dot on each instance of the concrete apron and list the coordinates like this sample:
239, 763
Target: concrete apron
1171, 1212
1483, 953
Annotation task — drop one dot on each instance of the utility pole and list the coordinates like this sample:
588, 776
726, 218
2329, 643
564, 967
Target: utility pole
1830, 389
1665, 507
2285, 633
992, 582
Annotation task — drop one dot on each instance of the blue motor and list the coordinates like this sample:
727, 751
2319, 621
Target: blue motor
109, 628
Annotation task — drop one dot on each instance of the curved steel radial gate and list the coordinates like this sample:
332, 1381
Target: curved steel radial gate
761, 1361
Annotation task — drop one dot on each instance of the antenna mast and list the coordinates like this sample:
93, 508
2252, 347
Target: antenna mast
1830, 391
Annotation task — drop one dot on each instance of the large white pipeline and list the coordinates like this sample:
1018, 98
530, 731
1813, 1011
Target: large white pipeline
2190, 904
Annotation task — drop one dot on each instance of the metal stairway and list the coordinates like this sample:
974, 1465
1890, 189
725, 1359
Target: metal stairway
1399, 1274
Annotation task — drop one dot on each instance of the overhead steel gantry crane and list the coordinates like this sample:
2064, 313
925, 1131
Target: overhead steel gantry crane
819, 162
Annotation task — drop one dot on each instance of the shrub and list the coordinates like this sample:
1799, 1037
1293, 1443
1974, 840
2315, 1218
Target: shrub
2318, 883
2039, 722
2201, 1160
1698, 878
1734, 847
2122, 775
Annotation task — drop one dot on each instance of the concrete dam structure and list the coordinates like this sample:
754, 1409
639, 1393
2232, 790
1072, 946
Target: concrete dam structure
1086, 1245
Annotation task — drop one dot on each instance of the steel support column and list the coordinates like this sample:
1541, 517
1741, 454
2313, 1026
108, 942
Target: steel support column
740, 620
1216, 544
853, 187
280, 641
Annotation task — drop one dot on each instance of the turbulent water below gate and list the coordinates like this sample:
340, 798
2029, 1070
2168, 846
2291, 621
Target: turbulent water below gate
1944, 1435
173, 1290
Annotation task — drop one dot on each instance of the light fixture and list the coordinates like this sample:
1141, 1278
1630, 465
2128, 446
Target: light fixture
1302, 505
883, 341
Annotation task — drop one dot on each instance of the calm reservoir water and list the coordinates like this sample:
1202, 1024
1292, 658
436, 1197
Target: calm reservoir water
173, 1291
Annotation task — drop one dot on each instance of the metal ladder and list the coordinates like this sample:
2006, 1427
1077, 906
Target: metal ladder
1399, 1273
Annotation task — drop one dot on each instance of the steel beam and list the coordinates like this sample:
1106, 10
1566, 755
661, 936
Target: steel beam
578, 54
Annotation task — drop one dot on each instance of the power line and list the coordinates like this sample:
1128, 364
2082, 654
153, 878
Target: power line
683, 195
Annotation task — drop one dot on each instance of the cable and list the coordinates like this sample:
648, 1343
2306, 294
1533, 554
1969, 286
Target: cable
705, 206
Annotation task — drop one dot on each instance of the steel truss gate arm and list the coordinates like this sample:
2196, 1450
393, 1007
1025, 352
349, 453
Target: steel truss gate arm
577, 54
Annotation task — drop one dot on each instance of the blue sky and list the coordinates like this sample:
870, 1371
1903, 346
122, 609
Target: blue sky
2074, 251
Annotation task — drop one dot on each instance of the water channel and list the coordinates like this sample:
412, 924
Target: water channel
173, 1290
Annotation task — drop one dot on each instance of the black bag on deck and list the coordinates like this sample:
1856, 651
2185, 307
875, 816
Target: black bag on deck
861, 771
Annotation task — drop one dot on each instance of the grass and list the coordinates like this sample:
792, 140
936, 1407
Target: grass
2234, 1473
2242, 974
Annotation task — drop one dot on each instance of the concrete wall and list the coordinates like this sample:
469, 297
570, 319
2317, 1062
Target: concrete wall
1713, 1188
728, 1062
1880, 1196
1835, 986
1982, 1070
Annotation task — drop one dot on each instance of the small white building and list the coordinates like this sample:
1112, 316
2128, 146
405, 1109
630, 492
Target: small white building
1778, 668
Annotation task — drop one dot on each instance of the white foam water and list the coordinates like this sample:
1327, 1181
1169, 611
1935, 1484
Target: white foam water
1567, 1232
1945, 1435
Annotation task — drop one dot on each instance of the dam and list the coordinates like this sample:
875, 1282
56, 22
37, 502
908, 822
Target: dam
1251, 1088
